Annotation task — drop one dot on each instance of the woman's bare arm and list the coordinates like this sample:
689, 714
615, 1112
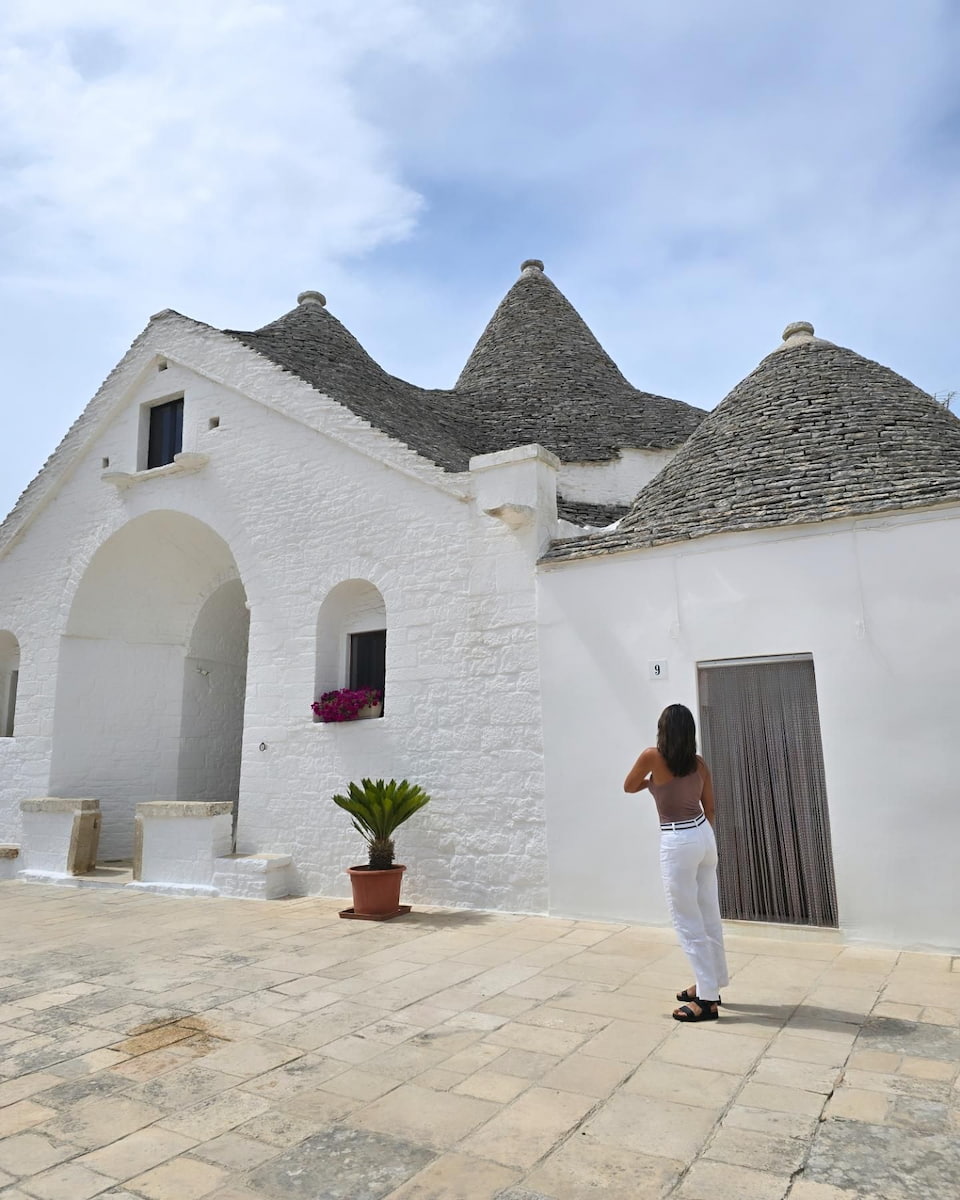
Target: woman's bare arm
706, 798
638, 778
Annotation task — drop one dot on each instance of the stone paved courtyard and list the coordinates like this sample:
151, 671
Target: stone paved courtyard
177, 1049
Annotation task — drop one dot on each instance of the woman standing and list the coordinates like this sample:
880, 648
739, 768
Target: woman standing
680, 782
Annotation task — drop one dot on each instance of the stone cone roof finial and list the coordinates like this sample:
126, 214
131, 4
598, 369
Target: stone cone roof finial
312, 298
531, 264
797, 329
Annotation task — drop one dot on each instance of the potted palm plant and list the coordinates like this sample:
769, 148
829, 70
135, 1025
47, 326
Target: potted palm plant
378, 809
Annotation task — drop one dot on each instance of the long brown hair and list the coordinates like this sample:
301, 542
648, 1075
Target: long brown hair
677, 739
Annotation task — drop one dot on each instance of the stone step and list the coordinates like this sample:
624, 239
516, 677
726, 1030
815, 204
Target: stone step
254, 876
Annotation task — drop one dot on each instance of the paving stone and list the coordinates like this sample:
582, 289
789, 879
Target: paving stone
762, 1151
587, 1076
184, 1087
885, 1161
423, 1116
685, 1085
94, 1125
927, 1068
80, 1091
711, 1180
781, 1099
12, 1090
68, 1181
805, 1077
581, 1168
525, 1130
910, 1037
180, 1179
852, 1104
652, 1126
23, 1115
137, 1152
491, 1085
457, 1177
235, 1152
31, 1153
341, 1164
729, 1052
766, 1120
923, 1116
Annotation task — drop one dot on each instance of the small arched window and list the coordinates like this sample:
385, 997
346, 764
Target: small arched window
9, 677
351, 638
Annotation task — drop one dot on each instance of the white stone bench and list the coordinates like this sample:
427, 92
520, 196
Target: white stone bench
8, 861
176, 844
60, 837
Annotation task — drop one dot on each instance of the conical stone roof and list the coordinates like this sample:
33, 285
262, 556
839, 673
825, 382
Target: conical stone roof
816, 432
312, 344
538, 374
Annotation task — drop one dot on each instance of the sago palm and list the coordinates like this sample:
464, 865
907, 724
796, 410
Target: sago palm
377, 810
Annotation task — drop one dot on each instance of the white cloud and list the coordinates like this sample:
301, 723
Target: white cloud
198, 138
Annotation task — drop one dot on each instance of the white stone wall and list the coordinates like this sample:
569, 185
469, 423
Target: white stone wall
873, 601
117, 720
296, 492
214, 689
614, 482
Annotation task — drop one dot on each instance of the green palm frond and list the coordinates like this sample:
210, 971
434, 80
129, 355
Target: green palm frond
379, 808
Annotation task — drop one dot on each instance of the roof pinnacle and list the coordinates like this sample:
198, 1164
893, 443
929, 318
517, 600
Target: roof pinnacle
531, 264
797, 329
312, 298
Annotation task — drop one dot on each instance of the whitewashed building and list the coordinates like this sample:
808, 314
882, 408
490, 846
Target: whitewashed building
535, 561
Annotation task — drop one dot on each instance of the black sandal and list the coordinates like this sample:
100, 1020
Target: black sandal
685, 995
708, 1012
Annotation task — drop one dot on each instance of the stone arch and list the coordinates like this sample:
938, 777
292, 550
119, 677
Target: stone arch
351, 606
151, 676
9, 678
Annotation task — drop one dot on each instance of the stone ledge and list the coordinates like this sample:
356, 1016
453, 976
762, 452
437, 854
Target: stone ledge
253, 864
184, 808
9, 851
58, 804
184, 463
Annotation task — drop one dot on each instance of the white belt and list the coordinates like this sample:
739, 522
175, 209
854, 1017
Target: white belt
685, 824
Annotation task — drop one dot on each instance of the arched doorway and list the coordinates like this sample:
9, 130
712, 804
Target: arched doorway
152, 675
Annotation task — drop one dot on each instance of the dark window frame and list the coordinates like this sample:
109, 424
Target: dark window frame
164, 433
10, 705
367, 659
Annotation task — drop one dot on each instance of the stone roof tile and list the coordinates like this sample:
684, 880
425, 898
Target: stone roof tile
816, 432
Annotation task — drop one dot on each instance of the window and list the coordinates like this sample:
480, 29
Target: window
166, 433
9, 677
368, 659
11, 705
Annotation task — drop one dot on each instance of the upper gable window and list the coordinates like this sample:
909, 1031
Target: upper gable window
165, 439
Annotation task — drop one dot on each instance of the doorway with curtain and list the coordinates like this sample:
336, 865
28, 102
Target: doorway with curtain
760, 735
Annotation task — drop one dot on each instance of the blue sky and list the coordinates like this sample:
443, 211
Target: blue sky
695, 176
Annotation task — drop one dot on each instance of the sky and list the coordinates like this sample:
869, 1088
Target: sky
694, 175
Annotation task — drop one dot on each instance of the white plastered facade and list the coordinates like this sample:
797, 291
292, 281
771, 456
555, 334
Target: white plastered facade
129, 595
873, 601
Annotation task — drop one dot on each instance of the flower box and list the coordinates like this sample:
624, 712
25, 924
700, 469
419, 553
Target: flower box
348, 704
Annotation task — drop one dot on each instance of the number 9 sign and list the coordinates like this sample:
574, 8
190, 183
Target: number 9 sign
658, 669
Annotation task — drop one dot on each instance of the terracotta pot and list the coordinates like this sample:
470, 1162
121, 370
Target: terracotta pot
376, 893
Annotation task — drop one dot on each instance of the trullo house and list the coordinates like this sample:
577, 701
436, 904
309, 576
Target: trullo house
531, 564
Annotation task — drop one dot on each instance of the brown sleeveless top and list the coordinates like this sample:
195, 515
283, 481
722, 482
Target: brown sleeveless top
679, 799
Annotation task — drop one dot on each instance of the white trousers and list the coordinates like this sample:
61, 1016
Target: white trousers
688, 861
